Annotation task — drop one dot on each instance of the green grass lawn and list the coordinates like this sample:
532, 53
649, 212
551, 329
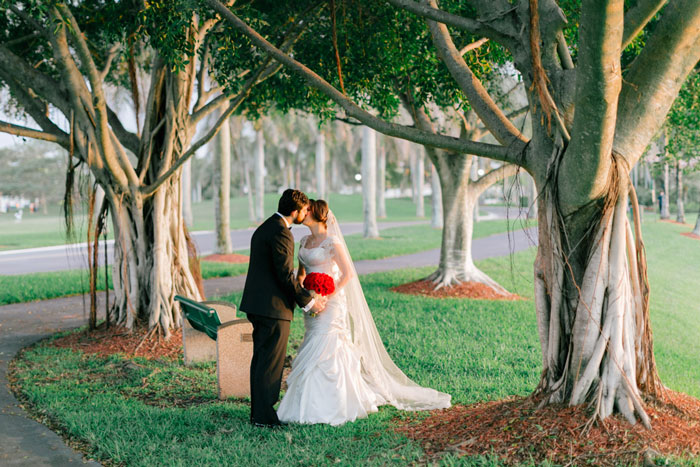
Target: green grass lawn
38, 229
395, 241
162, 413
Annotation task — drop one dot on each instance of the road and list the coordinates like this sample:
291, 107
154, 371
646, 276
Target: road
74, 256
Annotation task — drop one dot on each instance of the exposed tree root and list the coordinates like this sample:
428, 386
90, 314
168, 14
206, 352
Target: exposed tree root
450, 276
594, 324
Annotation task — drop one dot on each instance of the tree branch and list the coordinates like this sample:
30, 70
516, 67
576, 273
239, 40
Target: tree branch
128, 139
235, 103
31, 103
151, 189
44, 86
493, 176
654, 79
108, 62
473, 45
19, 40
567, 62
637, 17
441, 16
505, 153
99, 102
28, 19
510, 115
201, 76
479, 99
60, 138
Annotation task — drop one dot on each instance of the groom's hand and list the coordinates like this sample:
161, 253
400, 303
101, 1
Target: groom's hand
319, 304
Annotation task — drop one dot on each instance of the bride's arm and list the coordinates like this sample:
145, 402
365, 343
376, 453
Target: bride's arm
301, 273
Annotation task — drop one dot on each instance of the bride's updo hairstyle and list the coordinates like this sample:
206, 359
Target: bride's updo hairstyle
319, 210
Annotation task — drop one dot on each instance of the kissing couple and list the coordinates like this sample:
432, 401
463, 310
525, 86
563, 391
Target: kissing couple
342, 370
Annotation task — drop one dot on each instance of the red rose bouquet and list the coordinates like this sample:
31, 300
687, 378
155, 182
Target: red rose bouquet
320, 283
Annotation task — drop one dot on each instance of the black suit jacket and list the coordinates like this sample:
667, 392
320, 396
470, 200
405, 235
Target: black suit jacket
271, 287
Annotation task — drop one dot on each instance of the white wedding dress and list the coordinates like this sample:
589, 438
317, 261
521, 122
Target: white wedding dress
326, 383
342, 370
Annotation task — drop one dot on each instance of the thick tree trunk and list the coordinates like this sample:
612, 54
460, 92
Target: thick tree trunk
154, 258
369, 182
696, 230
198, 192
249, 189
436, 218
381, 179
283, 170
474, 175
420, 184
335, 174
412, 163
592, 306
321, 165
532, 209
259, 175
665, 213
458, 202
151, 260
187, 193
680, 207
222, 189
297, 172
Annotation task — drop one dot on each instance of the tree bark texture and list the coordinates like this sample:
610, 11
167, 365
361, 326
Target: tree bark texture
153, 254
436, 220
259, 171
222, 189
321, 165
381, 178
369, 183
419, 183
592, 304
187, 193
665, 211
696, 230
680, 207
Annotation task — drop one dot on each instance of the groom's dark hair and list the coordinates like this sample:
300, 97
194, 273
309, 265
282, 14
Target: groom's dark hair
291, 200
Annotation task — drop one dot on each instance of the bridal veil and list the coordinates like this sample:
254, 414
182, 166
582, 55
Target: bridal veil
379, 370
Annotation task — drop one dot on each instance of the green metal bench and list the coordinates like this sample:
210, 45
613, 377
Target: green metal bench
200, 316
216, 335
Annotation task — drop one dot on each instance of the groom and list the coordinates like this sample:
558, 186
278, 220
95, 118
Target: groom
269, 297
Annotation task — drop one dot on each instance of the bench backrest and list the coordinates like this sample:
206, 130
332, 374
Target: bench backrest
200, 316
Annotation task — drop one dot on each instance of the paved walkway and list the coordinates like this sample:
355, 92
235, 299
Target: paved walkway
24, 442
74, 256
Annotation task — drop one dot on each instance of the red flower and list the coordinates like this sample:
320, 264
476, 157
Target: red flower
320, 283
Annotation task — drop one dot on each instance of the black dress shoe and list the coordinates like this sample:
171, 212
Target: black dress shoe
271, 426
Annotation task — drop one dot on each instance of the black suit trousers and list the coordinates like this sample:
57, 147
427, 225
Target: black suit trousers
270, 338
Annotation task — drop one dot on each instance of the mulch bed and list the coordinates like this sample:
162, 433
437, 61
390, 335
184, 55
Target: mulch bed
516, 431
691, 235
232, 258
476, 290
137, 343
671, 221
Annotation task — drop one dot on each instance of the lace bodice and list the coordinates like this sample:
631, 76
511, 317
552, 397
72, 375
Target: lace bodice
320, 258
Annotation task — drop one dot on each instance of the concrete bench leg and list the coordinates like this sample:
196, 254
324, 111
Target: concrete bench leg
197, 346
234, 348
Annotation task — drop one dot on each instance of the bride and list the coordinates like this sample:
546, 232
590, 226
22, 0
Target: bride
342, 371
